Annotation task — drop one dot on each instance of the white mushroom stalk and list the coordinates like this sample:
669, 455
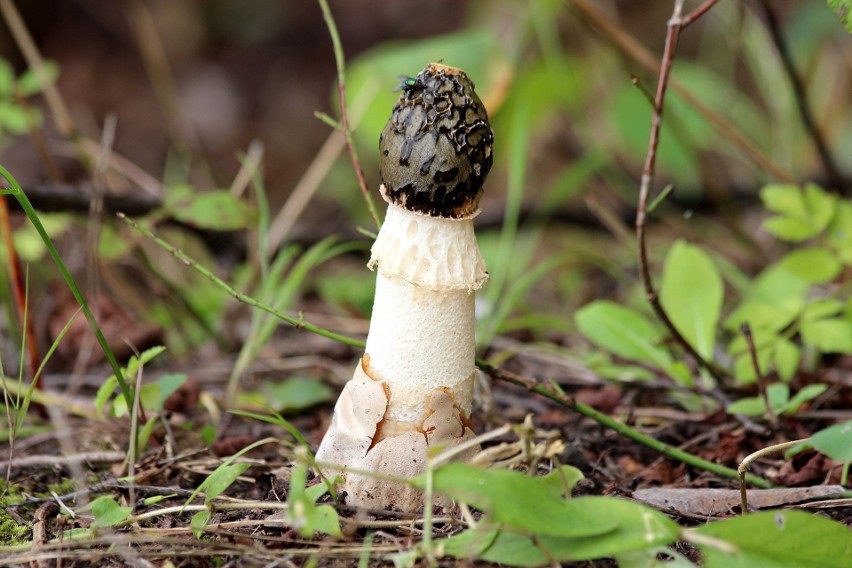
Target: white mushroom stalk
413, 388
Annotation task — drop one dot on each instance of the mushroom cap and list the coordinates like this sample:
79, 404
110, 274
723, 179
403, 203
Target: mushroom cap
436, 149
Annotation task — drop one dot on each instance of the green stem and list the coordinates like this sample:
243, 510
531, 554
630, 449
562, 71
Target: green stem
344, 118
31, 214
558, 396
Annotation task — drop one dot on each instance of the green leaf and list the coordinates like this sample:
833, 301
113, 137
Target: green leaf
169, 384
749, 406
637, 528
834, 441
830, 335
296, 393
31, 81
810, 392
840, 232
16, 119
816, 265
692, 293
7, 78
221, 478
802, 213
623, 331
651, 559
822, 308
107, 512
105, 392
776, 539
216, 210
534, 504
775, 299
199, 521
787, 357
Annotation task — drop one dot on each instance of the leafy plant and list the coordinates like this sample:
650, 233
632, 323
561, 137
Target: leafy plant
16, 117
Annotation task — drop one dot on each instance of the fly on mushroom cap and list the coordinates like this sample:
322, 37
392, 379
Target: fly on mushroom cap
436, 147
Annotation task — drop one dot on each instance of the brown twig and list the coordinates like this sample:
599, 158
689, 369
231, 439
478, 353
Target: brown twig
832, 173
761, 380
344, 119
632, 49
675, 25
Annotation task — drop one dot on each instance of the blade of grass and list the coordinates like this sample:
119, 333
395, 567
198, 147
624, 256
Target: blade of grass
31, 214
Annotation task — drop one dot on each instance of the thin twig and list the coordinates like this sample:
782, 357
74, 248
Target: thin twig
344, 119
761, 380
632, 49
674, 26
831, 171
554, 394
741, 470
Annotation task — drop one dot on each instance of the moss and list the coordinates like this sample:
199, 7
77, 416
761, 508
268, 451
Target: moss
11, 532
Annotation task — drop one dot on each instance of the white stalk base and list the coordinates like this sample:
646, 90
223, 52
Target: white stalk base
414, 386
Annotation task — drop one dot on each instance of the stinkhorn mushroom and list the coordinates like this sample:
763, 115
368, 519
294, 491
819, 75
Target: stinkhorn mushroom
413, 388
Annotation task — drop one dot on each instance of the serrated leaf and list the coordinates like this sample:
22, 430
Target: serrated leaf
199, 521
622, 331
107, 512
816, 265
776, 539
221, 478
513, 499
830, 335
692, 293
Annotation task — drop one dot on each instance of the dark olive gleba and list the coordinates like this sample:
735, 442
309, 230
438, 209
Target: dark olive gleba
436, 149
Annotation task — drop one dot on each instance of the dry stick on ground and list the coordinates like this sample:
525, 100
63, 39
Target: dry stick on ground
675, 25
833, 174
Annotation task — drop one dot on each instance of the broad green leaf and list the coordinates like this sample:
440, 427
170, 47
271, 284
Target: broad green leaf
107, 512
810, 392
199, 521
821, 309
221, 478
296, 393
623, 331
744, 366
830, 335
834, 441
217, 210
144, 358
787, 357
513, 499
637, 528
775, 299
816, 265
802, 213
776, 539
749, 406
169, 384
692, 293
